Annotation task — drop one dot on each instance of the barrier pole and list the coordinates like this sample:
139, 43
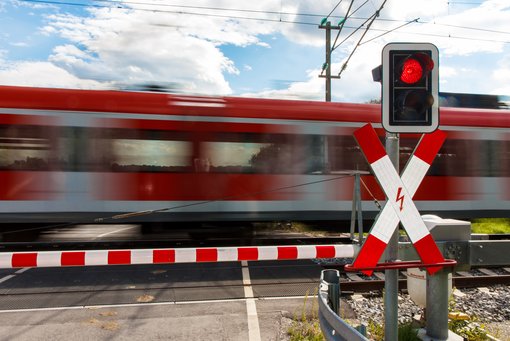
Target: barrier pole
391, 276
437, 305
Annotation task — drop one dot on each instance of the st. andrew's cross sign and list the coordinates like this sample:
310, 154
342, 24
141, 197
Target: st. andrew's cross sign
399, 206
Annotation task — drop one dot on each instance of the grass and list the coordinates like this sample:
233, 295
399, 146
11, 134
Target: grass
306, 325
306, 328
480, 225
491, 225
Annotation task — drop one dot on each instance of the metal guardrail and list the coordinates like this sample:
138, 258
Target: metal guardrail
332, 326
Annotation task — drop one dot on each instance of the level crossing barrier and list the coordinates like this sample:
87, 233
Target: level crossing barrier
10, 260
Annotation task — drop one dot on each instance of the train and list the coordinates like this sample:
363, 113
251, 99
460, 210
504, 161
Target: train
69, 155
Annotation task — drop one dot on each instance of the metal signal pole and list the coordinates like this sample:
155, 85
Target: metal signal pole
326, 67
391, 255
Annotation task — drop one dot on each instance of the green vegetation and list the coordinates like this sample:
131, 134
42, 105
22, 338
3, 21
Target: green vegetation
306, 331
406, 332
376, 330
306, 328
464, 325
469, 329
491, 225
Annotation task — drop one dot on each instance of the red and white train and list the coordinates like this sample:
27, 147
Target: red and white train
73, 155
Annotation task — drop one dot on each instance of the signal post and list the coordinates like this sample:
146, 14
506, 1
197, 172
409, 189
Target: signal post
410, 104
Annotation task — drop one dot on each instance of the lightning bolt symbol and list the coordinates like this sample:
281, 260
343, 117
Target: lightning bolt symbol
400, 198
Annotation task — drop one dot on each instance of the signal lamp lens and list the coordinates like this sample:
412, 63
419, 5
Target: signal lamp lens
414, 103
412, 71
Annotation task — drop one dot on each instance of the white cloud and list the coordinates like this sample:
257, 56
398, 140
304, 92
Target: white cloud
475, 29
124, 46
43, 74
501, 76
447, 71
312, 89
159, 45
3, 54
356, 83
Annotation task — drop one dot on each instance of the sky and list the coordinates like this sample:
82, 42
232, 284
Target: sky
267, 48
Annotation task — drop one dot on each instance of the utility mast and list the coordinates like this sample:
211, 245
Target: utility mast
326, 67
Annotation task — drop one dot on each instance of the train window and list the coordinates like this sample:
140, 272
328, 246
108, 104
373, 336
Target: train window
501, 153
25, 147
457, 157
71, 149
344, 154
460, 157
490, 162
259, 153
129, 150
149, 155
232, 157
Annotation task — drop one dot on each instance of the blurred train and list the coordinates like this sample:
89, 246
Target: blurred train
79, 155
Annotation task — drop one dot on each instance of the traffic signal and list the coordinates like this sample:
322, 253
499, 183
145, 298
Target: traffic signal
410, 94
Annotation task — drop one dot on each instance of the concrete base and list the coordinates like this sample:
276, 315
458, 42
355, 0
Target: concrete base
422, 334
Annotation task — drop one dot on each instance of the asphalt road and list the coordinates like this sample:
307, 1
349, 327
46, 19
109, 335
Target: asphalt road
206, 301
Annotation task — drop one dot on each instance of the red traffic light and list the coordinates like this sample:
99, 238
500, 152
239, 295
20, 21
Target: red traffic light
415, 67
411, 72
409, 79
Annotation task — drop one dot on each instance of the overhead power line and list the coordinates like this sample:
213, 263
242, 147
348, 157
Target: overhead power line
347, 16
293, 13
338, 4
375, 15
392, 30
225, 16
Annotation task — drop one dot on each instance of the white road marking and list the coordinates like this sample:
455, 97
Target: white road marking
6, 278
18, 272
119, 230
127, 305
251, 307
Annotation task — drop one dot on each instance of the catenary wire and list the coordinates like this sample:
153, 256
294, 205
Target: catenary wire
287, 21
295, 14
375, 15
392, 30
334, 8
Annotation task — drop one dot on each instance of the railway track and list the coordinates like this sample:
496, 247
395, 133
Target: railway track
477, 277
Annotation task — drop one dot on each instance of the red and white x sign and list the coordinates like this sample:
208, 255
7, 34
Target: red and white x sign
399, 192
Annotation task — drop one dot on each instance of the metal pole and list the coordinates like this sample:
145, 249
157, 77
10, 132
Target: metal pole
391, 255
327, 65
328, 61
358, 207
437, 305
354, 207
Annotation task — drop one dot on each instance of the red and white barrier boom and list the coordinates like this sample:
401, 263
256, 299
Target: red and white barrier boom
168, 256
399, 206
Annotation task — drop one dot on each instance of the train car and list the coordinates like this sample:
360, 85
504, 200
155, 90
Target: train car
79, 155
